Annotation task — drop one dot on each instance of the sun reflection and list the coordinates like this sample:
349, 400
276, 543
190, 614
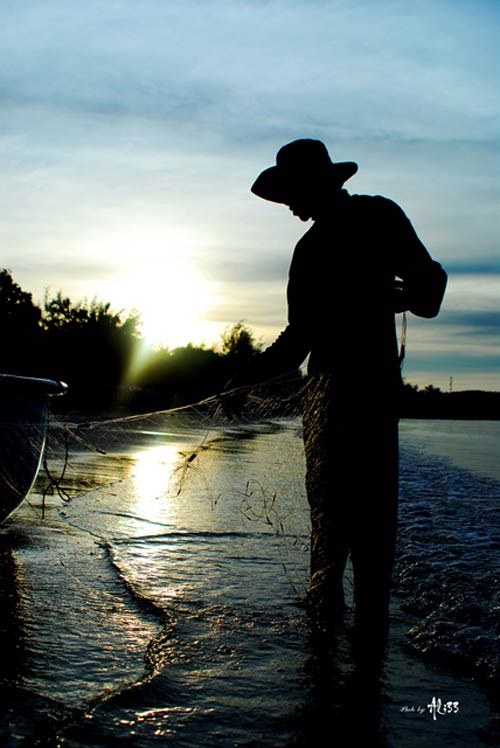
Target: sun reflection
154, 474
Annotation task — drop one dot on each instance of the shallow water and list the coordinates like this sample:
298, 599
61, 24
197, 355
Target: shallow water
471, 445
161, 607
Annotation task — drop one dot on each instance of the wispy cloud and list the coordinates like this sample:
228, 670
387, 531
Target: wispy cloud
481, 266
184, 61
481, 322
121, 116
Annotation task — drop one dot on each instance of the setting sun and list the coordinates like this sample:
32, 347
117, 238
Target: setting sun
172, 302
158, 277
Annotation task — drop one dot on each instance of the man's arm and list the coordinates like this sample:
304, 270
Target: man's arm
423, 279
424, 291
286, 354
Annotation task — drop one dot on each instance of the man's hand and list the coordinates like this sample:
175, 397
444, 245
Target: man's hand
400, 298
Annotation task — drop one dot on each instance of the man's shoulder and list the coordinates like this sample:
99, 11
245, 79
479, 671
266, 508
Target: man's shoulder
379, 208
378, 202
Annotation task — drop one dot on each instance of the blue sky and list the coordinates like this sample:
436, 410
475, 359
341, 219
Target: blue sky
132, 131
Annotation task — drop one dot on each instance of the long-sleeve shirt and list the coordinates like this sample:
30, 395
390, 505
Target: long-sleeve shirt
342, 299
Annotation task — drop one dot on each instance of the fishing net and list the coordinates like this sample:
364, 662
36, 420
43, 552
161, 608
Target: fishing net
76, 440
85, 453
240, 451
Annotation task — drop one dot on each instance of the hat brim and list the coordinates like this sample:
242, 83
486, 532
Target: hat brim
278, 186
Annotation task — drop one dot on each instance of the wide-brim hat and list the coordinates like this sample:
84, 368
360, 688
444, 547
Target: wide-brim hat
298, 164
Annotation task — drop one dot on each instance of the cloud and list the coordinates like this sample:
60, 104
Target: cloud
165, 114
249, 270
482, 266
480, 322
217, 66
259, 306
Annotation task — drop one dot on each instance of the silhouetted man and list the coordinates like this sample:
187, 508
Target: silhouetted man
359, 263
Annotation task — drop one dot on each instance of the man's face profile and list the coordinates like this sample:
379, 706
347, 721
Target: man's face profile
300, 210
301, 202
308, 198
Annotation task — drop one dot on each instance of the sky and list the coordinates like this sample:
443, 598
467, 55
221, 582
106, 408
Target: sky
131, 132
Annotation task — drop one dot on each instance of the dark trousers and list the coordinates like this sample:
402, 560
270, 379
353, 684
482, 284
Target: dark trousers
351, 451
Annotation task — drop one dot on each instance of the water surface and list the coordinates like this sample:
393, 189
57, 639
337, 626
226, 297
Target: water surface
162, 604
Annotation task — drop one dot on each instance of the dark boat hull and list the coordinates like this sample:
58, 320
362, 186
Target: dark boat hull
24, 408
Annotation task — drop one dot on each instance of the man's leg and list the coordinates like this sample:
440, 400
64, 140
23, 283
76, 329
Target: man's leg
324, 443
374, 528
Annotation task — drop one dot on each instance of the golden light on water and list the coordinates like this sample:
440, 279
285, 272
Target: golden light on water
154, 475
155, 495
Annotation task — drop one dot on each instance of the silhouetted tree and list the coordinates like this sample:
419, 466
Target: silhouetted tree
238, 346
20, 328
238, 341
89, 346
185, 374
432, 391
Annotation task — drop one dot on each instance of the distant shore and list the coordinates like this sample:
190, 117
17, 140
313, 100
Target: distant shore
477, 405
430, 403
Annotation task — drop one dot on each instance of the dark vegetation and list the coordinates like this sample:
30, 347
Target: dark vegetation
91, 347
431, 402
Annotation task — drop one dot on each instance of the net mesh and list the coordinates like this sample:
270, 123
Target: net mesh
88, 456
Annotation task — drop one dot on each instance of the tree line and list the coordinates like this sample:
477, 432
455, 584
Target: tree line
93, 348
432, 402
